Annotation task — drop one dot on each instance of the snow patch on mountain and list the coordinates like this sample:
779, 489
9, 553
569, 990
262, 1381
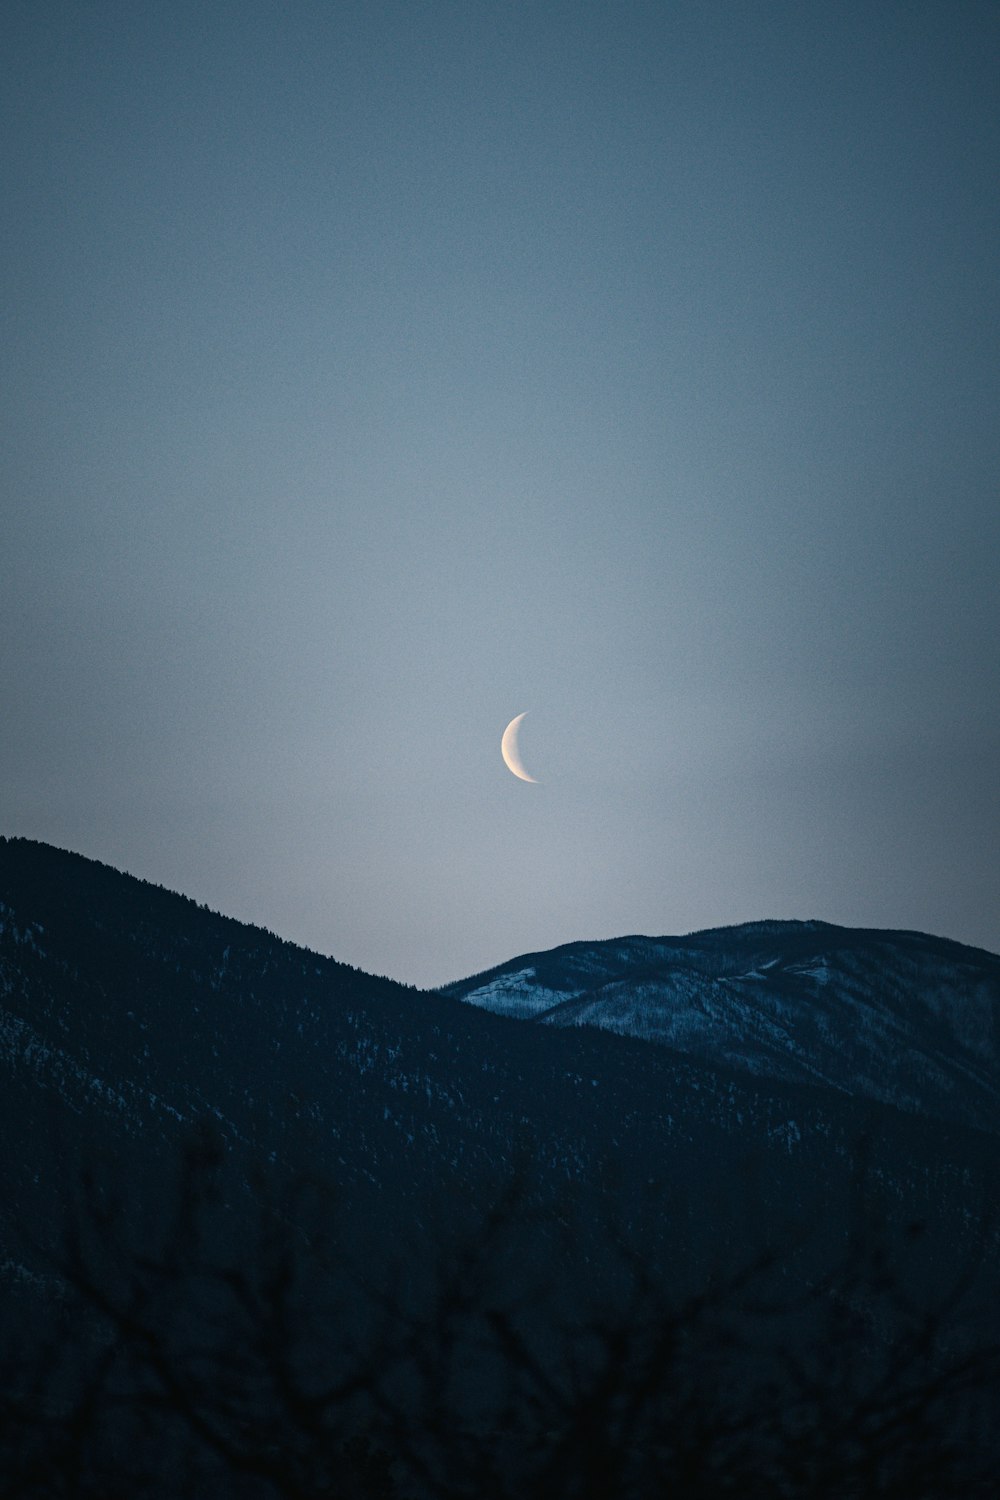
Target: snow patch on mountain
518, 994
901, 1018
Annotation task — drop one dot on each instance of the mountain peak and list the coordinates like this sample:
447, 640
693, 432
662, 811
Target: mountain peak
900, 1017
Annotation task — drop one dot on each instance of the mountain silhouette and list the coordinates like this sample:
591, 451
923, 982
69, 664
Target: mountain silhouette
685, 1105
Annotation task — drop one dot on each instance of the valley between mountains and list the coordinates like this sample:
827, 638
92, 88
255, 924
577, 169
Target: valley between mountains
706, 1096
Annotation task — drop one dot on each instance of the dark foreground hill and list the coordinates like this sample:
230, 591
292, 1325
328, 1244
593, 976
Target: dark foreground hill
270, 1225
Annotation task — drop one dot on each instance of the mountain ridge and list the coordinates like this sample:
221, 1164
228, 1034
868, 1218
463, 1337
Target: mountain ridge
899, 1016
130, 1017
201, 1121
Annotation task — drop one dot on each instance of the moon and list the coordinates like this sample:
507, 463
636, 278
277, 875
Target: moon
509, 751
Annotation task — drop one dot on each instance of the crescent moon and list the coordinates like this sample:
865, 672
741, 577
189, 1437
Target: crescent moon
509, 750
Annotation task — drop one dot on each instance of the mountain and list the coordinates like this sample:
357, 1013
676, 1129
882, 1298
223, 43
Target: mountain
128, 1014
381, 1137
910, 1020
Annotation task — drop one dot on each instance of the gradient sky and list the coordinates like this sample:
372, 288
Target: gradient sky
374, 372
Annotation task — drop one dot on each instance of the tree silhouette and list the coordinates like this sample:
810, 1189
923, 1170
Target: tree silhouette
235, 1360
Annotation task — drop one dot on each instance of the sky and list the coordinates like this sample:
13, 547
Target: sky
377, 370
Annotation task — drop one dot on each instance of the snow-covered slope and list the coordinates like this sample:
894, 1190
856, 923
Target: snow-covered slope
900, 1017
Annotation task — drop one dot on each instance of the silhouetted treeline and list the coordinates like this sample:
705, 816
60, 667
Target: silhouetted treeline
535, 1354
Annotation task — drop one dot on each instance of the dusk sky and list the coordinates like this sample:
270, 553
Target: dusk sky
375, 372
